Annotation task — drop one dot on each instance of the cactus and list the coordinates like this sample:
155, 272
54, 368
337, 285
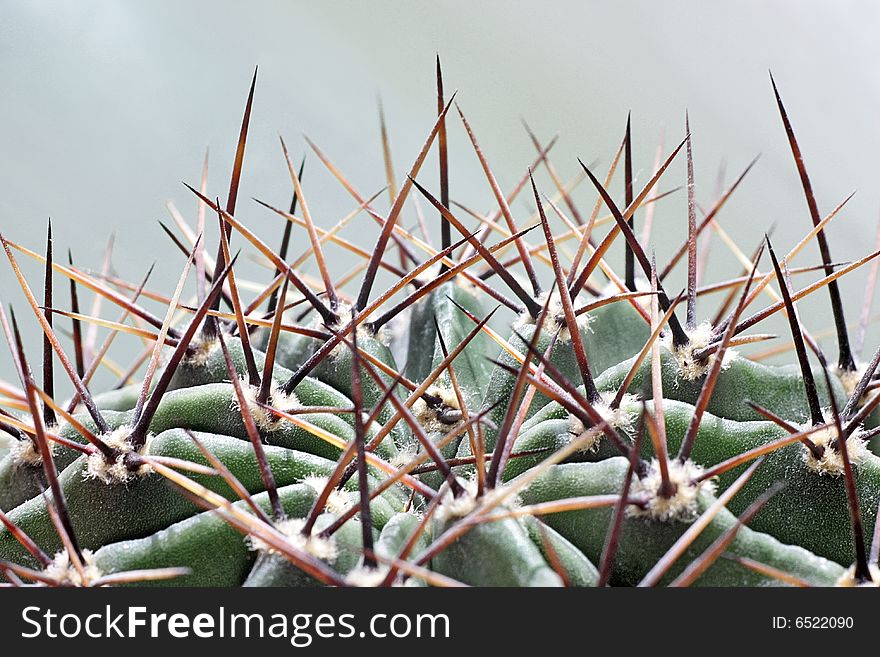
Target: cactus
510, 411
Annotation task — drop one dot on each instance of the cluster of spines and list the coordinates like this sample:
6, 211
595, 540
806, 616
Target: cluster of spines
550, 310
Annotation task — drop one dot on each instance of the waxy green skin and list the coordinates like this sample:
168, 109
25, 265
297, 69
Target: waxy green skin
273, 570
513, 561
544, 438
811, 510
472, 369
779, 389
210, 408
580, 571
334, 373
212, 369
425, 352
451, 449
498, 553
397, 532
496, 572
213, 408
293, 349
644, 541
106, 513
502, 383
216, 553
146, 523
201, 399
614, 332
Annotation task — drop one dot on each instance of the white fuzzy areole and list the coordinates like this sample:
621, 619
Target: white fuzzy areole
457, 507
318, 546
452, 507
338, 502
364, 577
201, 351
683, 505
27, 453
698, 339
555, 318
116, 472
850, 379
427, 416
831, 462
848, 579
576, 428
621, 417
266, 420
404, 457
65, 573
343, 312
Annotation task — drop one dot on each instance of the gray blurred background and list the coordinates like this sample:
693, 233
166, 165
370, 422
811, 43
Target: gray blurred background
107, 106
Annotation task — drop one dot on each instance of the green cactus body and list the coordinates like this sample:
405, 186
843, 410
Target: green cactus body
272, 569
397, 532
20, 480
579, 570
499, 553
611, 334
644, 541
472, 369
315, 474
777, 388
810, 510
217, 554
147, 504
